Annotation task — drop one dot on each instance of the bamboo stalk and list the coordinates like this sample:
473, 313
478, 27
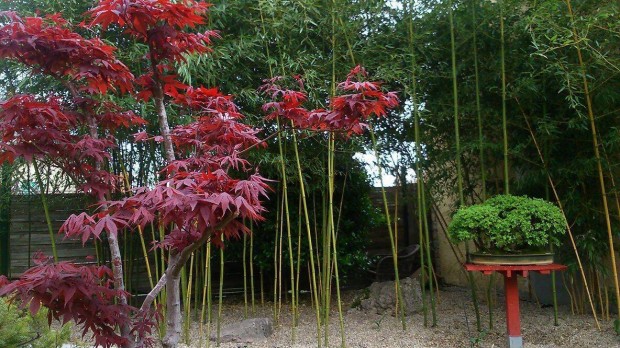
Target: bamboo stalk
209, 295
390, 232
188, 311
597, 156
491, 284
311, 252
245, 278
560, 205
422, 211
46, 211
459, 167
332, 228
504, 119
220, 297
478, 108
205, 284
288, 227
252, 292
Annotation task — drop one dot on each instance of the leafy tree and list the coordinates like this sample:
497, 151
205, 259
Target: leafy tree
197, 196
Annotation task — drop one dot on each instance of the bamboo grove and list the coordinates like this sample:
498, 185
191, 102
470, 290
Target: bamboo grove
496, 97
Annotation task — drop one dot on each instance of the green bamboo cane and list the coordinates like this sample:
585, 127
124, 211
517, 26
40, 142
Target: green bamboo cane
548, 197
313, 272
46, 211
198, 281
188, 301
245, 277
220, 296
568, 227
332, 229
288, 223
209, 294
286, 205
204, 297
504, 119
279, 214
478, 108
184, 281
327, 259
481, 156
422, 211
399, 293
597, 156
252, 292
298, 271
459, 167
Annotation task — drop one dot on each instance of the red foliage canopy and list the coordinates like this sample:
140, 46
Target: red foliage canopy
83, 294
49, 45
347, 113
159, 23
32, 128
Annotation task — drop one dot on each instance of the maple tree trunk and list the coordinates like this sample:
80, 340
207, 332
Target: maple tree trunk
162, 117
115, 252
173, 272
173, 303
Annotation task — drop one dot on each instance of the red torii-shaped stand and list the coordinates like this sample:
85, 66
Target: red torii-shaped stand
511, 289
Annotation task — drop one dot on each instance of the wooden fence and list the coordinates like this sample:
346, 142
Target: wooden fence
29, 232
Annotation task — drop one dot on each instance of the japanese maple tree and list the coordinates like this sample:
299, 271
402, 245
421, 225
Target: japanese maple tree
199, 197
35, 127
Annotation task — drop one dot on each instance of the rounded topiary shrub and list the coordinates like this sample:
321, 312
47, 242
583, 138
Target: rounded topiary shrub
509, 224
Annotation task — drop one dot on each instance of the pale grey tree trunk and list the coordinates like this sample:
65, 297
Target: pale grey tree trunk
115, 252
173, 304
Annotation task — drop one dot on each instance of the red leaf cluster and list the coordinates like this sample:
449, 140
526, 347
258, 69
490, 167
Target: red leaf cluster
108, 115
287, 102
159, 23
82, 293
195, 202
33, 128
48, 45
347, 113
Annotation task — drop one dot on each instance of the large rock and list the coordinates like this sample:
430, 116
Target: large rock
246, 331
381, 297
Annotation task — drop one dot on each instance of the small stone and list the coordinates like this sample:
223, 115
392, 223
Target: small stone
246, 331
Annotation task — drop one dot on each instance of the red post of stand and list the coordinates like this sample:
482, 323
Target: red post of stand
513, 319
511, 288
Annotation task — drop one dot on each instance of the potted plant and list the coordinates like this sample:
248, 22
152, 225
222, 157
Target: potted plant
509, 230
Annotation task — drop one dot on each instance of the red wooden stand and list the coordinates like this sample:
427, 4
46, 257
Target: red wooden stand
510, 273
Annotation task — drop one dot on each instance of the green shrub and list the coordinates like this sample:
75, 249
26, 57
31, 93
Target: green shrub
509, 224
20, 329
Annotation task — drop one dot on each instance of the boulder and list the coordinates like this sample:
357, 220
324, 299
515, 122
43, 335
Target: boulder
246, 331
380, 297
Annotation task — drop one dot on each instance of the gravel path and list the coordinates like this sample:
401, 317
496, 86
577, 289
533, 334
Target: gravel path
455, 327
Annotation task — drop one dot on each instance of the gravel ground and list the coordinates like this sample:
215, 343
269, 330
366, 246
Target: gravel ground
455, 327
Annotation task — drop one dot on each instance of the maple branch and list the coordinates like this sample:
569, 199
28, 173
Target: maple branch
58, 164
260, 142
160, 108
180, 261
150, 297
182, 257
